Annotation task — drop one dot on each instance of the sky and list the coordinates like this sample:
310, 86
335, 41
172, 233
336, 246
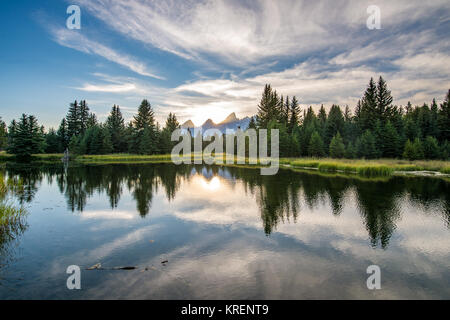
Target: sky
206, 59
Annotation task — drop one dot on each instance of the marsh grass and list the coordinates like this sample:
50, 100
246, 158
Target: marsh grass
363, 167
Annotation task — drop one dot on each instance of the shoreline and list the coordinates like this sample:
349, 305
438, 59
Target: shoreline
368, 168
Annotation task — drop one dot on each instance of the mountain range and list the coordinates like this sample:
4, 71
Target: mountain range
231, 122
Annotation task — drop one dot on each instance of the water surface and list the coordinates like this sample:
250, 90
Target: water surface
227, 233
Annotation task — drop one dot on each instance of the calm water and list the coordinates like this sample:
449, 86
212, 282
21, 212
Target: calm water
227, 233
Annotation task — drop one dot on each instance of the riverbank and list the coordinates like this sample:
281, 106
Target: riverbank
363, 167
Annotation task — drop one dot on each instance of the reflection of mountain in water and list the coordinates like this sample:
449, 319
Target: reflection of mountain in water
278, 197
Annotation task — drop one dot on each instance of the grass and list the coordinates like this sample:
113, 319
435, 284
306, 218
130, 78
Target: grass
362, 167
445, 170
366, 169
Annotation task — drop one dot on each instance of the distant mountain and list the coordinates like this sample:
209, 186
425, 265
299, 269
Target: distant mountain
231, 118
231, 122
188, 124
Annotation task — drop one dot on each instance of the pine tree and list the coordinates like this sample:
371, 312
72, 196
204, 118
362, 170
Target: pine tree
337, 147
91, 121
366, 146
316, 147
350, 151
391, 141
3, 135
53, 144
413, 150
267, 107
368, 112
83, 116
294, 117
334, 123
116, 126
73, 120
63, 135
322, 121
26, 138
434, 119
431, 148
444, 119
383, 101
252, 124
144, 129
286, 111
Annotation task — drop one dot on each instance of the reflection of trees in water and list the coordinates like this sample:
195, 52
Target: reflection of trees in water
378, 202
279, 197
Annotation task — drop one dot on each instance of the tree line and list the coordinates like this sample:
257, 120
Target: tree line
376, 129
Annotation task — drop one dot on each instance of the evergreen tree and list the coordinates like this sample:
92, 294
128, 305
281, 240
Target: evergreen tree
413, 150
444, 119
144, 135
366, 146
431, 148
52, 141
267, 107
91, 121
294, 117
316, 147
322, 121
350, 151
391, 141
26, 138
252, 124
383, 101
116, 126
73, 120
63, 135
337, 147
83, 116
334, 124
368, 113
434, 119
3, 135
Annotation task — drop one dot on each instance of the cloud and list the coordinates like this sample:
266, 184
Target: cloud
75, 40
243, 32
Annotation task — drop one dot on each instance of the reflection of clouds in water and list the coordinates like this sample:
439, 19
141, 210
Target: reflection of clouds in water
217, 246
243, 268
108, 214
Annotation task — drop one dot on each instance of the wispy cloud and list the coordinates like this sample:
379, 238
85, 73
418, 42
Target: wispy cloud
75, 40
321, 52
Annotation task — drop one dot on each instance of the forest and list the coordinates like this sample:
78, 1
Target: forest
375, 129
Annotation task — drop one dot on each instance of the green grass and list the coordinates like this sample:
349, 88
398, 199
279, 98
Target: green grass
445, 170
366, 169
370, 168
362, 167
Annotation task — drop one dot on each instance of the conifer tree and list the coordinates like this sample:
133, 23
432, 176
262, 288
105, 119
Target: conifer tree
3, 135
444, 119
267, 107
316, 147
63, 135
116, 126
294, 117
337, 147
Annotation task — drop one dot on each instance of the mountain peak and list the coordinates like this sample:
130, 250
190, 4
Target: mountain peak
231, 118
208, 122
188, 124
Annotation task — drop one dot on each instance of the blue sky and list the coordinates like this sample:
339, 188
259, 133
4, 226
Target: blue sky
206, 59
